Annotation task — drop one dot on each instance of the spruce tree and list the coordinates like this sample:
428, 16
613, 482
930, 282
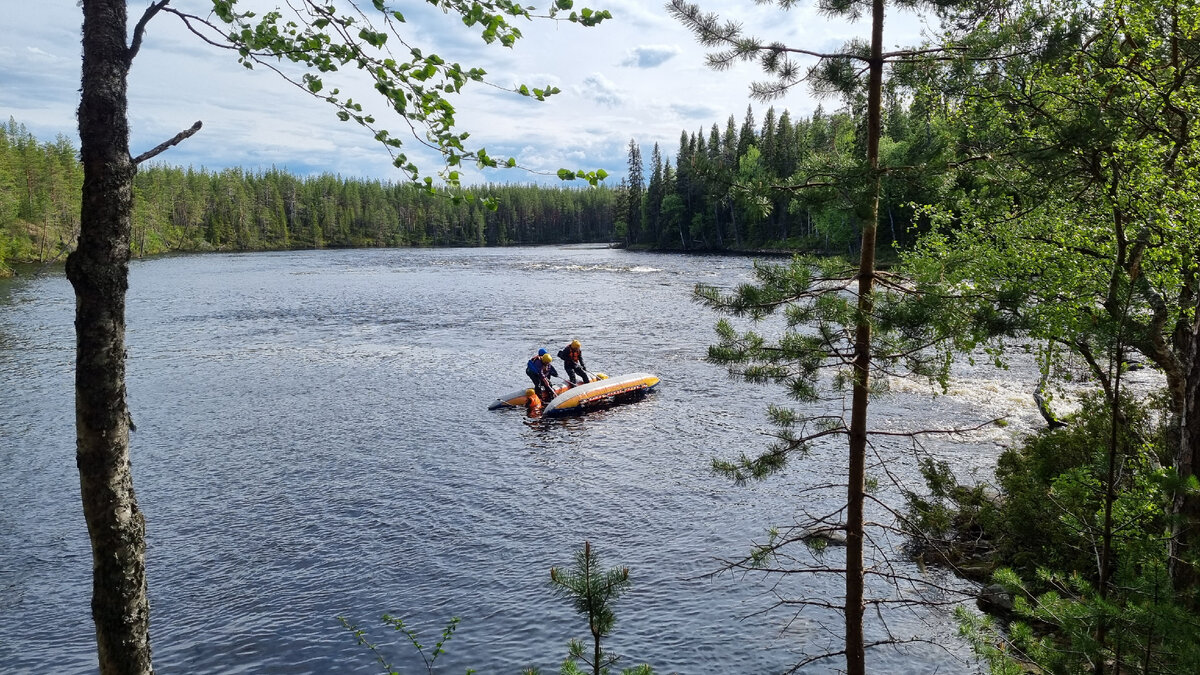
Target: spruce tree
635, 185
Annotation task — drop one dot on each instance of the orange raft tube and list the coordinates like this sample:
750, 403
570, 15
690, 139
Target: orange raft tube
601, 394
517, 398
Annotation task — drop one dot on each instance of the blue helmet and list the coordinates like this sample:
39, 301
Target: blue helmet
541, 352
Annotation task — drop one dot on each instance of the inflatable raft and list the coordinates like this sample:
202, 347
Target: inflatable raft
601, 394
517, 398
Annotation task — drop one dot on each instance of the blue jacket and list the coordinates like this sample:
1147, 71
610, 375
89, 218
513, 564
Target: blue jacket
535, 367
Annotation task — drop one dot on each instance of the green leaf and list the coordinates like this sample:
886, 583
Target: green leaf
374, 38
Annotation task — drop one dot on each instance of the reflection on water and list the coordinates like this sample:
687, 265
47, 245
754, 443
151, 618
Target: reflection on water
314, 441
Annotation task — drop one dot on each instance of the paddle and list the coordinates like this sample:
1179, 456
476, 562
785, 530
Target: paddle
550, 393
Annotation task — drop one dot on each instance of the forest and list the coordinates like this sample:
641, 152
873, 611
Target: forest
705, 198
192, 209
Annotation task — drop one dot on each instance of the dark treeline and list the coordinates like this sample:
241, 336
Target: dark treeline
779, 185
199, 210
733, 188
187, 209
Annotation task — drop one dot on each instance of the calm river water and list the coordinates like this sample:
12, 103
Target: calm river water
314, 441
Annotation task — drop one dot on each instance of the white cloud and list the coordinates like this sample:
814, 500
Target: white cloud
600, 89
650, 56
41, 54
695, 111
254, 120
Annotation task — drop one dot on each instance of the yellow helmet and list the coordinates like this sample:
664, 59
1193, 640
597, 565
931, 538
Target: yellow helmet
530, 392
546, 358
575, 344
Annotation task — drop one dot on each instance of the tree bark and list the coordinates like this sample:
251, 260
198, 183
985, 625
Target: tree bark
856, 485
1185, 507
99, 271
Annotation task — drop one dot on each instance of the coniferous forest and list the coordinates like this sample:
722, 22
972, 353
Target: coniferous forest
192, 209
719, 192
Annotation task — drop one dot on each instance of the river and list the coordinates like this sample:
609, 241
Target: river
313, 441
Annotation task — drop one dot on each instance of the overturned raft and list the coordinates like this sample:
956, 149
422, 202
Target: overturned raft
601, 394
517, 399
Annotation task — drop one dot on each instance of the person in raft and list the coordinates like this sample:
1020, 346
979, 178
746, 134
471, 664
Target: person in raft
573, 361
539, 371
533, 404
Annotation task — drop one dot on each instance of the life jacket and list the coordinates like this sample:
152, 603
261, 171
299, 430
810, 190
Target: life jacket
570, 354
533, 405
534, 366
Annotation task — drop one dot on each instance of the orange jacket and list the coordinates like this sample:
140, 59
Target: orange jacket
571, 354
533, 405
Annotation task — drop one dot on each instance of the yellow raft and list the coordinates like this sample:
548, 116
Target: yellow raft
517, 399
601, 394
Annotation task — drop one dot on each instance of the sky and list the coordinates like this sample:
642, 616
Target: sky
640, 76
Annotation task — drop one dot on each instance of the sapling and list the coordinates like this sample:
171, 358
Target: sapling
397, 623
593, 591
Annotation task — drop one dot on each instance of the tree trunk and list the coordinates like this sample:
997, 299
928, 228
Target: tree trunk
717, 225
99, 271
1185, 508
856, 484
737, 237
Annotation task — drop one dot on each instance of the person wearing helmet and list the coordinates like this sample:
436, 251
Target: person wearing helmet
572, 358
533, 404
540, 371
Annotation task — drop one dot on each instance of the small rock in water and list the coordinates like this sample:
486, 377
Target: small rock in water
995, 599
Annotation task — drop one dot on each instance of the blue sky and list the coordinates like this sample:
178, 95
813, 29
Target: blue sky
640, 76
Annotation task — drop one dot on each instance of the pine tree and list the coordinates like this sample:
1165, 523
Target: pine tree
593, 591
814, 294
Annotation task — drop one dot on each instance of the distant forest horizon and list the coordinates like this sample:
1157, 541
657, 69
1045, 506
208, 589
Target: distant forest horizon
724, 191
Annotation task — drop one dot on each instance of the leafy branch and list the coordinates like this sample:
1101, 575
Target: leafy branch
417, 87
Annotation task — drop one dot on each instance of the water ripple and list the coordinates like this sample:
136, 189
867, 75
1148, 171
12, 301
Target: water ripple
313, 442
